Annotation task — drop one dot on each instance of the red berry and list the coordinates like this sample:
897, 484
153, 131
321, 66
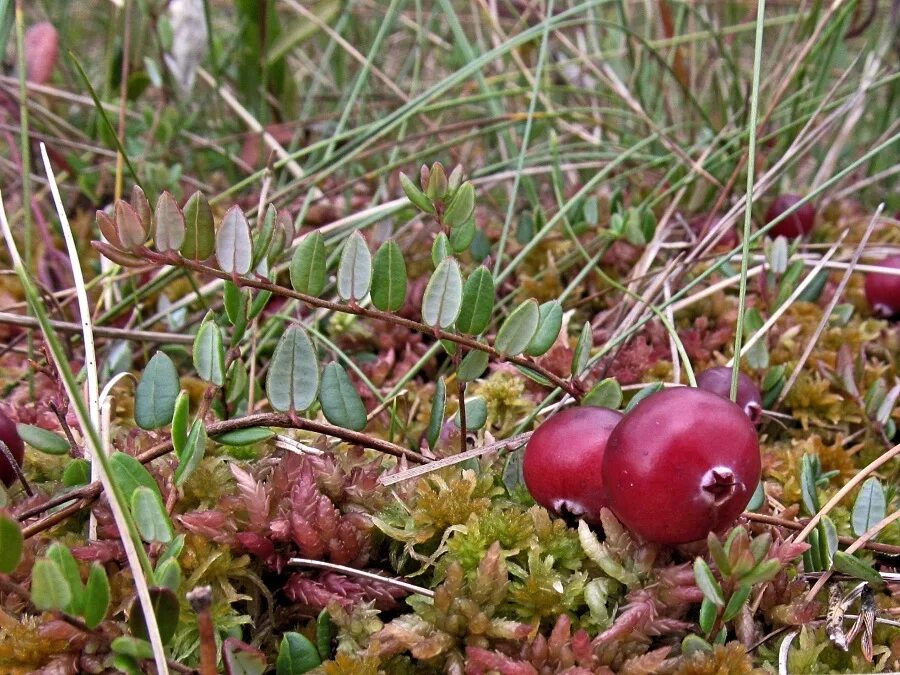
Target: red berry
883, 290
718, 381
799, 223
684, 462
702, 224
563, 459
10, 435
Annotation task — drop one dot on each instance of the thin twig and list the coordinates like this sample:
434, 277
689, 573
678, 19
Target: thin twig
343, 569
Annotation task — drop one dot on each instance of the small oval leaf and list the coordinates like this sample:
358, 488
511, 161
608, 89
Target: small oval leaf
461, 207
244, 436
473, 365
11, 543
194, 451
415, 195
131, 231
166, 610
48, 442
96, 596
154, 399
296, 655
549, 325
234, 251
582, 349
341, 403
293, 378
476, 414
355, 269
150, 516
870, 506
170, 229
209, 353
49, 589
520, 326
438, 406
440, 249
200, 234
308, 265
389, 280
605, 394
129, 474
477, 303
707, 583
442, 300
180, 422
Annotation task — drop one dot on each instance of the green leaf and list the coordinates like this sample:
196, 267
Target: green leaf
461, 207
325, 631
828, 540
440, 249
869, 507
582, 349
808, 491
199, 239
533, 375
605, 394
415, 195
707, 583
165, 608
49, 588
168, 575
235, 302
461, 237
850, 565
263, 240
438, 407
708, 614
764, 571
354, 274
296, 655
48, 442
520, 326
437, 182
209, 353
129, 474
150, 516
719, 556
308, 265
194, 451
132, 647
180, 423
293, 377
442, 300
170, 230
341, 403
154, 400
643, 393
239, 658
549, 325
736, 601
694, 643
11, 543
234, 250
477, 302
758, 355
96, 596
62, 556
389, 279
757, 499
132, 232
77, 472
473, 365
246, 436
476, 414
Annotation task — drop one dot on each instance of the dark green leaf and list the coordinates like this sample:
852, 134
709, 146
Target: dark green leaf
606, 394
850, 565
389, 279
549, 324
438, 405
437, 182
758, 498
461, 207
128, 473
296, 655
692, 644
132, 647
150, 516
165, 607
170, 230
325, 630
473, 365
209, 353
808, 491
77, 472
96, 596
582, 349
461, 237
870, 506
11, 542
736, 601
708, 612
234, 250
519, 328
235, 301
200, 236
440, 249
442, 300
340, 401
651, 388
415, 195
477, 302
764, 571
62, 556
154, 400
244, 436
707, 583
293, 378
263, 240
194, 451
49, 588
47, 442
168, 575
354, 273
308, 265
476, 414
180, 423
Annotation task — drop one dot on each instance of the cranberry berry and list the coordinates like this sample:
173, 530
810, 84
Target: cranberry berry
563, 461
10, 436
718, 381
701, 225
684, 462
799, 223
883, 290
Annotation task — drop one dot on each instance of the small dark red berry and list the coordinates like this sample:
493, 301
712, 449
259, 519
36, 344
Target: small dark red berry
684, 462
10, 435
563, 459
883, 290
702, 224
799, 223
718, 381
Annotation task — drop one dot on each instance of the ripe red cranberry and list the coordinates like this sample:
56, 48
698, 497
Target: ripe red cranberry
702, 224
10, 435
684, 462
883, 290
718, 381
799, 223
563, 459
